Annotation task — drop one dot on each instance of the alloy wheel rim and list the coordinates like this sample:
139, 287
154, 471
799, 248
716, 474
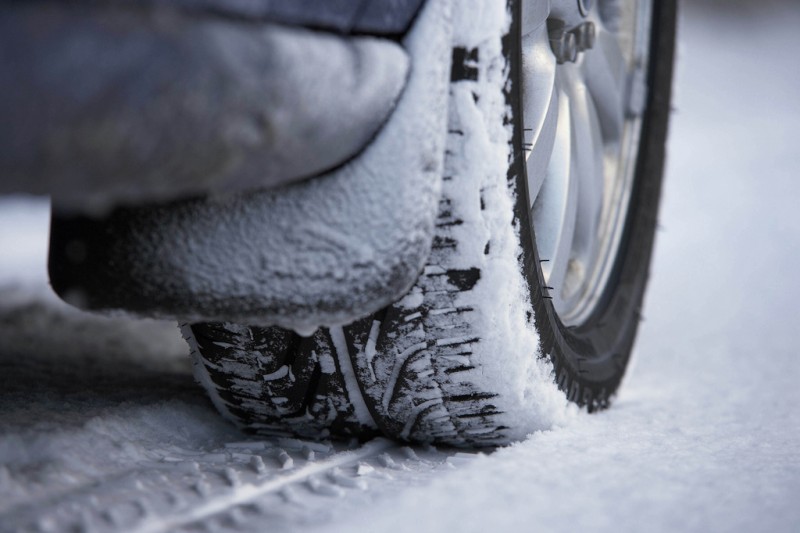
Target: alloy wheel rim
584, 66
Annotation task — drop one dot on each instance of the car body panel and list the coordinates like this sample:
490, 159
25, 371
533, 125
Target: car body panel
112, 106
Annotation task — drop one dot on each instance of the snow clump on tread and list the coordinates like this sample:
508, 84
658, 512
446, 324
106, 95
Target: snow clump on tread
457, 360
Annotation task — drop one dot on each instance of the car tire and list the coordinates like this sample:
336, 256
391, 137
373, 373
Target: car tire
273, 381
478, 352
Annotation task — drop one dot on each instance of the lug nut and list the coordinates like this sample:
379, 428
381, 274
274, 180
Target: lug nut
586, 35
570, 47
564, 45
567, 44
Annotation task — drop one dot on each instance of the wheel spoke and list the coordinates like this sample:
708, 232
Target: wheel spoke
540, 107
534, 17
581, 120
562, 257
587, 153
605, 72
554, 211
538, 158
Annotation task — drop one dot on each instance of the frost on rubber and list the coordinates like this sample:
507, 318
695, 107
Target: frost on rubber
457, 360
294, 384
474, 354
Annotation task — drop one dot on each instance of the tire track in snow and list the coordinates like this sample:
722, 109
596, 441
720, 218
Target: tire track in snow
244, 494
253, 484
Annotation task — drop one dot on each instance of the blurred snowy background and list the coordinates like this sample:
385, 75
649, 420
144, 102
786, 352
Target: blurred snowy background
704, 437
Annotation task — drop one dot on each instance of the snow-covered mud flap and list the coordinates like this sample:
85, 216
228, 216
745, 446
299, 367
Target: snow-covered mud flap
319, 251
475, 353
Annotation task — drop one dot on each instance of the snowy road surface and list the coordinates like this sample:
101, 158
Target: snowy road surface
102, 427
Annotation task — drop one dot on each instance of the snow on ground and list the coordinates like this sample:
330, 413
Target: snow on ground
705, 435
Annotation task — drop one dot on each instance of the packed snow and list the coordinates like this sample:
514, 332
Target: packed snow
704, 436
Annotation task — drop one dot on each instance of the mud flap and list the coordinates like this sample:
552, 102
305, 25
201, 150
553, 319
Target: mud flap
321, 252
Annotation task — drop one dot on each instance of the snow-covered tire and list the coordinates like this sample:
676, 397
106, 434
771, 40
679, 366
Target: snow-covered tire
272, 380
476, 354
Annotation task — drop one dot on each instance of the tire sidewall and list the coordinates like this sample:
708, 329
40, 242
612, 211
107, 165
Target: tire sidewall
589, 360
